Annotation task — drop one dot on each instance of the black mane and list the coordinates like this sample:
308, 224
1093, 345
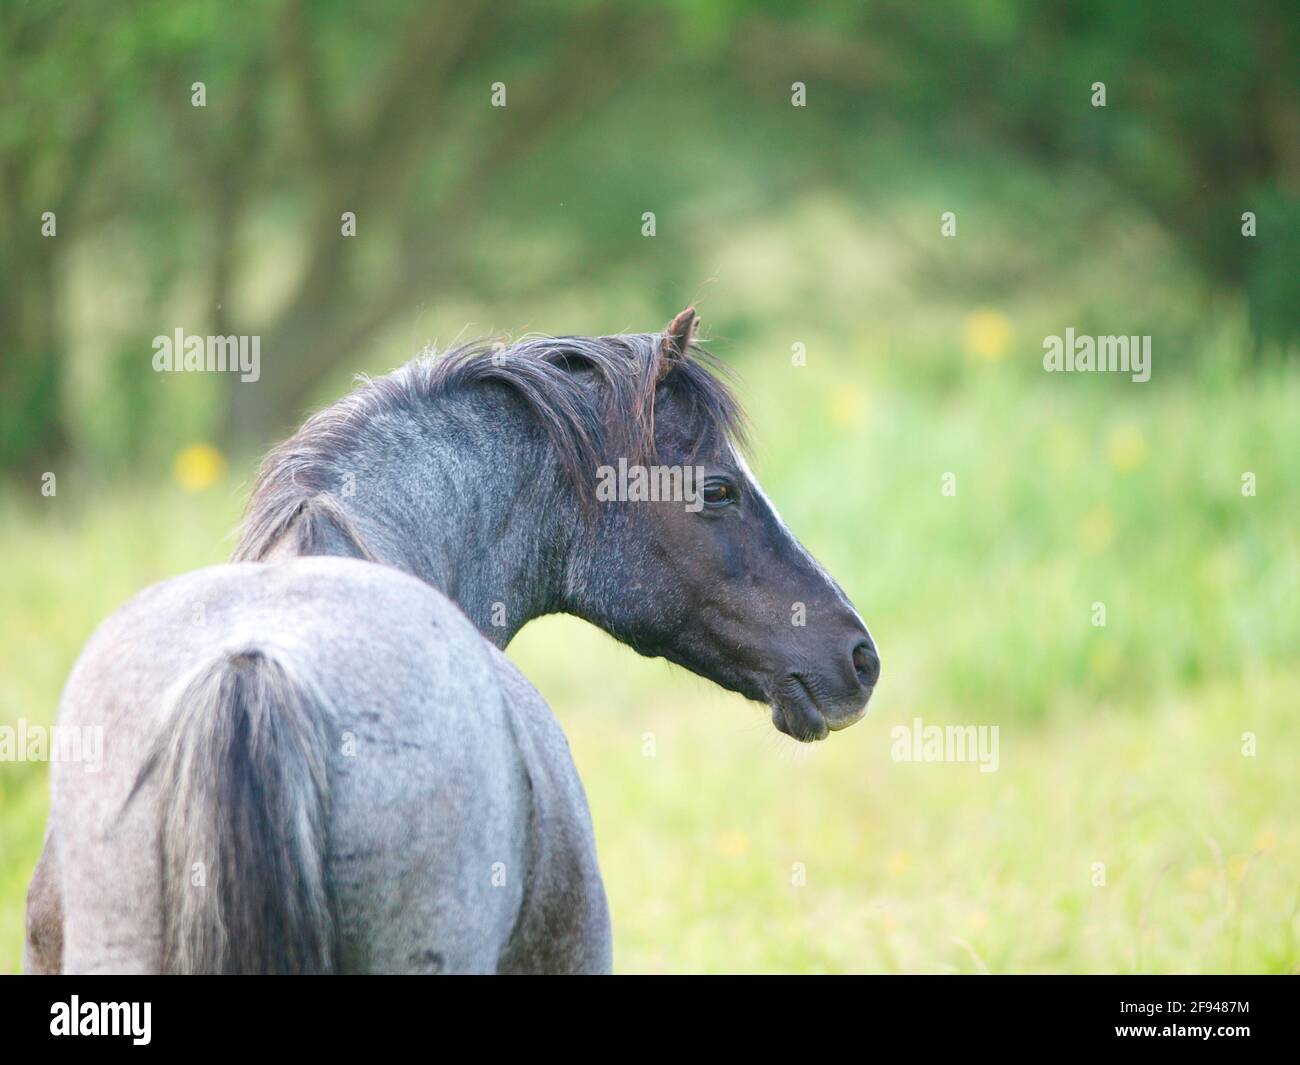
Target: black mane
587, 427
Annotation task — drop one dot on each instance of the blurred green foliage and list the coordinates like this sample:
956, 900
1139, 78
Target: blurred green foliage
225, 218
815, 226
1119, 744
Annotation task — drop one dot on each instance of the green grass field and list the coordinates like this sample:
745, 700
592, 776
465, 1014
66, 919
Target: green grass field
727, 847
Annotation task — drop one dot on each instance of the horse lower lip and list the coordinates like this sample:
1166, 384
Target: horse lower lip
802, 720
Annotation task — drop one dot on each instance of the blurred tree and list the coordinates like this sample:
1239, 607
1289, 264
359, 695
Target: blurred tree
49, 138
1201, 121
311, 110
314, 109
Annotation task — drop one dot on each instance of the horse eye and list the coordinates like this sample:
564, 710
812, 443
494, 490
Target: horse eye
718, 492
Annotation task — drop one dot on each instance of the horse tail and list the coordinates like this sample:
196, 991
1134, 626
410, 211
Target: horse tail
243, 765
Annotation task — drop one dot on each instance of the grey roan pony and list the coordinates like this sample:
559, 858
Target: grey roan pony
317, 759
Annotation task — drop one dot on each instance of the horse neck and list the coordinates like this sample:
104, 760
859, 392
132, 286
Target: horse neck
471, 502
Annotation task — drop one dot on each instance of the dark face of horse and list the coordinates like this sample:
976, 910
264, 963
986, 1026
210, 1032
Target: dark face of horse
716, 582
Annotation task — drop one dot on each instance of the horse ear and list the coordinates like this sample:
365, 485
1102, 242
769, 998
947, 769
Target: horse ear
678, 337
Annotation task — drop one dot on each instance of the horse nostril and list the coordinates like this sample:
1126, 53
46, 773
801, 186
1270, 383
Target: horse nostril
867, 664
